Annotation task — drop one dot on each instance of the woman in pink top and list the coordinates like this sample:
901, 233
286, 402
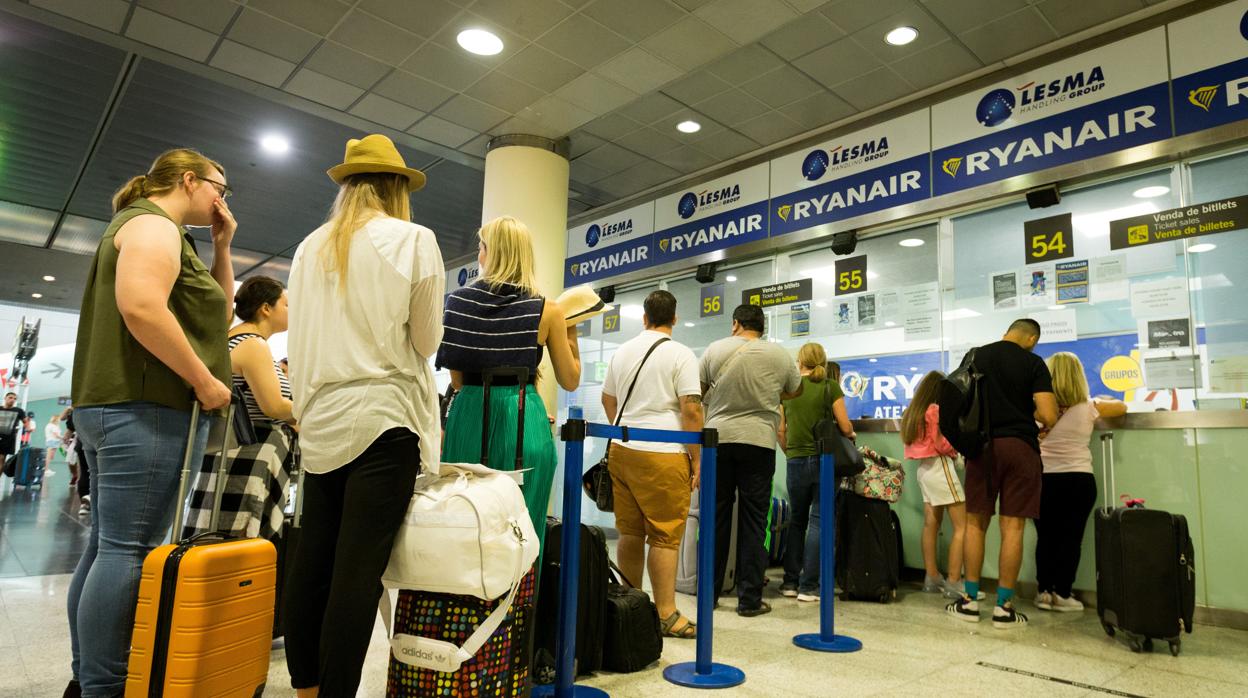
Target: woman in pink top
1068, 491
938, 479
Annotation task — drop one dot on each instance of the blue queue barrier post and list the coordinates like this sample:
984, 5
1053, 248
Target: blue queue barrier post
826, 640
573, 434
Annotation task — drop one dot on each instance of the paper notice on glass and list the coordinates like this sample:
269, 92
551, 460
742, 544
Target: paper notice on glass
1004, 290
799, 320
921, 298
866, 310
888, 304
1164, 298
1072, 282
920, 326
1171, 371
1165, 333
1109, 278
1057, 326
845, 315
1038, 287
1228, 374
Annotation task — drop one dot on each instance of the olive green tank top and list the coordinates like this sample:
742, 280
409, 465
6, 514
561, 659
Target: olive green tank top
110, 365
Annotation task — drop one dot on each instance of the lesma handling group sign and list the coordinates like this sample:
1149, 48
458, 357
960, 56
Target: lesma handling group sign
714, 215
611, 245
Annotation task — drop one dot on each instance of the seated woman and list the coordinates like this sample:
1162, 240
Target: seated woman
259, 474
501, 320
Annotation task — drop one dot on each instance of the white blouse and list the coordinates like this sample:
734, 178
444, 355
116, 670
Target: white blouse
359, 355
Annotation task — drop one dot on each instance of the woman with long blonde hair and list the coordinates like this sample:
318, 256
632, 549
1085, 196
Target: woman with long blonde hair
502, 320
1068, 489
365, 300
821, 396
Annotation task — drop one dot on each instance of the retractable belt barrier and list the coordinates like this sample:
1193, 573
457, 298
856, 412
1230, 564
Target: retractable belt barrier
826, 640
702, 673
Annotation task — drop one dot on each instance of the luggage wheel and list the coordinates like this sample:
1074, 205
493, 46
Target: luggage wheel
1175, 646
1109, 629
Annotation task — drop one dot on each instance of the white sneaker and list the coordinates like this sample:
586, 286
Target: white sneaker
788, 592
1044, 601
1065, 605
1005, 617
801, 596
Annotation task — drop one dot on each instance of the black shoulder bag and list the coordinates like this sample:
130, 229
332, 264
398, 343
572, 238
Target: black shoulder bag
597, 480
846, 457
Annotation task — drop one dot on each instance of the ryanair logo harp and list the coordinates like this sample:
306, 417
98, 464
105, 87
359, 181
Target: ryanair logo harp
950, 166
1203, 96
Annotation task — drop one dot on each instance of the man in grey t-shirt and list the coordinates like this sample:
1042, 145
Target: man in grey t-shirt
744, 378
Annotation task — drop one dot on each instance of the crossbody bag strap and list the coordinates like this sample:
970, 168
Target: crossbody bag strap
619, 414
723, 369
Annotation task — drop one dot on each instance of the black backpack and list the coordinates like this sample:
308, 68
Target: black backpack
964, 419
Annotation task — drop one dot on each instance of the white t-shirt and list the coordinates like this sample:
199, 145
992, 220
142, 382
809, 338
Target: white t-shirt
359, 355
1067, 448
670, 373
52, 435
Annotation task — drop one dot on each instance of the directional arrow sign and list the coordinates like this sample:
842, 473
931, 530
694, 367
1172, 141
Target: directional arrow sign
58, 369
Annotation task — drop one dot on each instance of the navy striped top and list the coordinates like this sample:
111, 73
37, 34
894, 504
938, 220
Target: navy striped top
486, 328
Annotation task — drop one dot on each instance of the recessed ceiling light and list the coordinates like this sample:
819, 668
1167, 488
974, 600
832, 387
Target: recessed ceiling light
872, 360
688, 324
688, 126
1150, 192
731, 278
912, 242
49, 278
821, 304
480, 42
889, 323
1202, 247
1057, 307
914, 368
901, 36
36, 295
274, 143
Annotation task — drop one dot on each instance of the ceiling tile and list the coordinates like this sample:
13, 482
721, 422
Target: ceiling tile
961, 15
1070, 16
477, 146
852, 15
432, 128
804, 6
531, 128
471, 113
930, 31
252, 64
324, 89
873, 89
771, 127
696, 87
611, 126
413, 90
595, 93
640, 176
342, 63
691, 5
557, 114
528, 18
318, 16
582, 142
581, 171
374, 37
540, 68
639, 71
835, 62
1008, 36
689, 43
105, 14
725, 144
274, 36
819, 109
649, 142
444, 66
170, 34
583, 41
732, 107
800, 37
610, 158
686, 159
781, 87
937, 64
209, 15
503, 92
636, 19
386, 112
423, 17
744, 21
744, 64
651, 108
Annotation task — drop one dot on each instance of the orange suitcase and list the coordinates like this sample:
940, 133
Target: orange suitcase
203, 625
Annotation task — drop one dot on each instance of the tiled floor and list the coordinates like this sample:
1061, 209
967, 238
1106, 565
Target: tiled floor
909, 648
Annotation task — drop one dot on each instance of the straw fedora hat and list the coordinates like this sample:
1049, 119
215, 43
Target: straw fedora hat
580, 303
375, 153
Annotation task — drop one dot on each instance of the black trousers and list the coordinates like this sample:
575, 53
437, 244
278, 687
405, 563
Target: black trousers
350, 519
743, 472
1066, 501
84, 470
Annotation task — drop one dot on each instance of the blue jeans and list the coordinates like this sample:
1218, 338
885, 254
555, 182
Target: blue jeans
135, 453
801, 557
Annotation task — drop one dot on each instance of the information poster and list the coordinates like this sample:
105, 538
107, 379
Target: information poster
1057, 326
921, 326
1072, 282
845, 315
866, 310
1109, 278
921, 298
1168, 333
712, 301
1164, 298
799, 320
1004, 290
1229, 374
1040, 288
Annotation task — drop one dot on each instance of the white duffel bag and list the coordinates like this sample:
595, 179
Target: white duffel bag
467, 531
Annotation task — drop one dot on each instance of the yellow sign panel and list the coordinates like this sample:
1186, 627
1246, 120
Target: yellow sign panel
1121, 374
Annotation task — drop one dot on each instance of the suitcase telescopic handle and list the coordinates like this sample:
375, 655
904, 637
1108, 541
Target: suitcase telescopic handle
1107, 459
521, 374
184, 481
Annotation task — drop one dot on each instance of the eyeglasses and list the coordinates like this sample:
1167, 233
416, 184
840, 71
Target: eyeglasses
222, 188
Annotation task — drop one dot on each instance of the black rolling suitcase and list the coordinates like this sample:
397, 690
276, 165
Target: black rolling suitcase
1145, 569
591, 611
867, 551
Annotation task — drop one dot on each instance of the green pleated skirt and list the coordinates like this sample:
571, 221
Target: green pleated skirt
463, 441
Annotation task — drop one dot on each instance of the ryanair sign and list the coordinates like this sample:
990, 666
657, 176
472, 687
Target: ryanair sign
610, 245
1209, 62
724, 212
1109, 99
869, 170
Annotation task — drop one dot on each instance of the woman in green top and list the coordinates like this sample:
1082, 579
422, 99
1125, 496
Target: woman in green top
151, 338
820, 398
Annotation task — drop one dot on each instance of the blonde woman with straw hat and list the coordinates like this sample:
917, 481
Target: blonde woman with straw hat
365, 317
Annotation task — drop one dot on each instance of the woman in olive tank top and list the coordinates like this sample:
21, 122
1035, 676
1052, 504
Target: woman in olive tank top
151, 339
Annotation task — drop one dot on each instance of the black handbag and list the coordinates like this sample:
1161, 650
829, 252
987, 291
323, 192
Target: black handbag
634, 636
848, 461
597, 480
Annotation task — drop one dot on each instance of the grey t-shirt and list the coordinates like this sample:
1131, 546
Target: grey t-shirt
744, 405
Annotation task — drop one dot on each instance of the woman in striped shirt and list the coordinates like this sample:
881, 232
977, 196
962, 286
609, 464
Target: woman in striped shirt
501, 320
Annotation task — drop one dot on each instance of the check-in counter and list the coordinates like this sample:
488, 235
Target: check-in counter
1190, 463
